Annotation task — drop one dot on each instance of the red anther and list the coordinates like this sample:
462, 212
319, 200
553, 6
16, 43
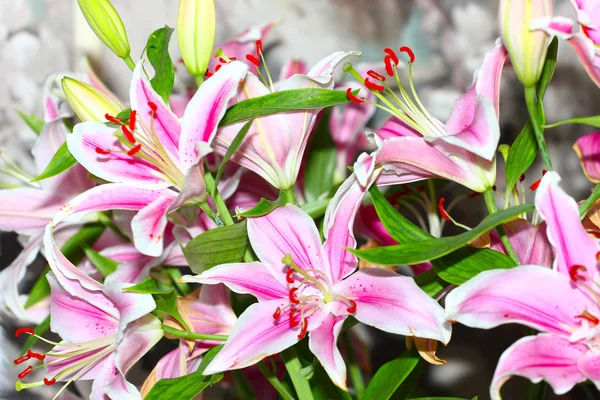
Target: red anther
408, 50
259, 47
535, 185
389, 65
598, 256
21, 359
49, 382
544, 172
373, 85
252, 59
102, 151
25, 372
376, 75
589, 317
293, 322
222, 60
522, 178
20, 331
494, 188
134, 150
392, 54
218, 67
277, 313
112, 119
152, 106
132, 120
303, 330
37, 356
353, 98
128, 134
441, 208
208, 74
574, 271
292, 296
352, 308
288, 276
233, 58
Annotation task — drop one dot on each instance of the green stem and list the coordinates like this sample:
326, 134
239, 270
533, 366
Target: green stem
490, 202
287, 196
129, 62
206, 208
533, 106
293, 366
281, 389
191, 335
353, 367
218, 199
589, 202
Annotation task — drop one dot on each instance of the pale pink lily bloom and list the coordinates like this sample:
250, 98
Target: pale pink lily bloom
462, 150
305, 287
588, 150
563, 303
583, 34
155, 163
529, 241
274, 146
104, 329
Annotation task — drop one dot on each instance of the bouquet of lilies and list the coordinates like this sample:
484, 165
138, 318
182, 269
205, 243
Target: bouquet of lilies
236, 234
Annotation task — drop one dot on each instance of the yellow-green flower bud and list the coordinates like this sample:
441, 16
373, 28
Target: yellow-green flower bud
196, 34
104, 20
89, 103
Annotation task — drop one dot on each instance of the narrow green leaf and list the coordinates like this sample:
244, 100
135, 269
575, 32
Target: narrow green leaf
589, 202
104, 265
60, 162
222, 245
150, 286
284, 101
233, 147
320, 161
430, 282
439, 398
189, 386
265, 206
157, 50
391, 375
124, 115
167, 303
430, 249
593, 120
36, 124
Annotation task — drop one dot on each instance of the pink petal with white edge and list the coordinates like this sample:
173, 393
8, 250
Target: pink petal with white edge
26, 209
287, 230
131, 306
348, 122
487, 77
212, 313
589, 365
529, 241
394, 303
323, 344
172, 365
246, 278
119, 388
148, 226
291, 68
542, 357
116, 165
525, 295
321, 74
255, 336
572, 245
204, 112
107, 372
137, 339
588, 150
165, 122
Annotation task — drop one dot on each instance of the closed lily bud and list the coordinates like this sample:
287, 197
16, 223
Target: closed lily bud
104, 20
89, 103
527, 48
196, 34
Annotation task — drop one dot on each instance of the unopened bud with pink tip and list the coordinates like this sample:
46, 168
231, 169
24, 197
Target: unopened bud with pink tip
527, 48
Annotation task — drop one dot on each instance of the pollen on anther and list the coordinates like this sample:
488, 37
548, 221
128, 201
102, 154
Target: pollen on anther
392, 54
353, 98
442, 210
352, 308
277, 313
535, 185
304, 329
252, 59
218, 67
102, 151
132, 117
376, 75
25, 372
112, 119
598, 256
259, 47
49, 382
152, 106
288, 276
408, 50
293, 322
134, 150
586, 315
128, 134
35, 355
20, 331
21, 359
292, 296
373, 86
574, 271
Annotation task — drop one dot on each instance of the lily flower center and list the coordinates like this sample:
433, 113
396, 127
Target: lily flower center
406, 106
313, 292
71, 360
141, 141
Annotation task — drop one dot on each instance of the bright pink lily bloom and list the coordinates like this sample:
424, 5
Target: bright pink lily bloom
305, 287
104, 329
588, 149
413, 145
275, 144
585, 40
154, 161
563, 303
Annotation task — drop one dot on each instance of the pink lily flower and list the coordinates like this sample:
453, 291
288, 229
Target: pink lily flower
414, 146
275, 144
305, 287
588, 150
562, 303
585, 40
529, 241
113, 330
153, 162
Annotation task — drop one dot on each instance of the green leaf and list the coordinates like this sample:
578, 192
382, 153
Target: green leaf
60, 162
265, 206
167, 303
284, 101
320, 161
222, 245
189, 386
439, 398
150, 286
523, 151
104, 265
32, 121
430, 249
233, 147
391, 375
124, 115
593, 120
157, 50
430, 282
